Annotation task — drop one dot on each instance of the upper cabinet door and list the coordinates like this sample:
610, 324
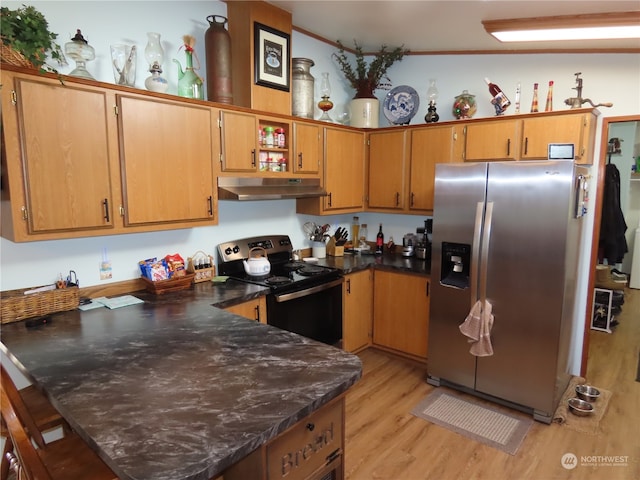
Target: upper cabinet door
538, 133
387, 168
429, 146
307, 152
65, 155
344, 169
493, 140
239, 133
166, 155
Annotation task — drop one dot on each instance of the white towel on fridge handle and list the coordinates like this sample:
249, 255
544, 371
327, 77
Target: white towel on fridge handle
477, 327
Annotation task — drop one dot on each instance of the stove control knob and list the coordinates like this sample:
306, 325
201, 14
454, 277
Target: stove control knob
236, 249
227, 251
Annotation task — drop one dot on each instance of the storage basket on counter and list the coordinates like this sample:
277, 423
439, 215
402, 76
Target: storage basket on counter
169, 285
194, 265
18, 306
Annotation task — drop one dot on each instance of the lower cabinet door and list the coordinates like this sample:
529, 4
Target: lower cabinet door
401, 313
310, 448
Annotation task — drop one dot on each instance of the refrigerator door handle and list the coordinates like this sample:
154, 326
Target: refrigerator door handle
484, 257
475, 253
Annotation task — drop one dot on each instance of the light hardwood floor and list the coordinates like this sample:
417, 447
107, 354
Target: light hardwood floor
384, 441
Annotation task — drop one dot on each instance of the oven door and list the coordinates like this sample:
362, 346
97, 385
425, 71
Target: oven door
315, 312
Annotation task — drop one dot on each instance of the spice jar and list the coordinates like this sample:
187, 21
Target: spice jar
268, 136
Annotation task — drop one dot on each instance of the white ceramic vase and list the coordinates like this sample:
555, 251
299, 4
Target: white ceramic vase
365, 112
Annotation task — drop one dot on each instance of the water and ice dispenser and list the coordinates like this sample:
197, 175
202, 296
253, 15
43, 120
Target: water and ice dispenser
456, 265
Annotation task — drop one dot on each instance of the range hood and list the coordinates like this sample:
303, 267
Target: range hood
256, 188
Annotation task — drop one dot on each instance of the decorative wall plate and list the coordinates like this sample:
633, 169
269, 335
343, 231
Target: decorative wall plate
401, 104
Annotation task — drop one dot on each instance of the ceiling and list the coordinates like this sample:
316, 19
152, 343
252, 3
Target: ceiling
440, 25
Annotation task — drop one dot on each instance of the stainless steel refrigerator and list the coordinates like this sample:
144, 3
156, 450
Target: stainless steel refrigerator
507, 233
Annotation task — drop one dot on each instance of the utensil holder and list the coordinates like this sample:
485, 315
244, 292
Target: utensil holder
318, 249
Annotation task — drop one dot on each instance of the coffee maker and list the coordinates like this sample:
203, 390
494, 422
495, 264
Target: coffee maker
423, 248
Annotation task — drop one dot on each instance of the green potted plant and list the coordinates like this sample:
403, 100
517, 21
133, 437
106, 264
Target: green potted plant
25, 33
366, 79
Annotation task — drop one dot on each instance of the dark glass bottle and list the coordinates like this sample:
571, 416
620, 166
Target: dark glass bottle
379, 241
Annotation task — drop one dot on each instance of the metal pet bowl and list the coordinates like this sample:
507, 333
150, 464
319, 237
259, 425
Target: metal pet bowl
579, 407
587, 393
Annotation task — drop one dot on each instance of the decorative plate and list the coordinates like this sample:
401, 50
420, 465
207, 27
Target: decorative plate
401, 104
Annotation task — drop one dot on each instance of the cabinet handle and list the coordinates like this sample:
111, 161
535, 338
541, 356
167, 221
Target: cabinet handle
329, 198
106, 209
397, 198
300, 160
258, 313
210, 201
413, 195
311, 427
526, 145
508, 146
427, 289
349, 286
253, 157
332, 456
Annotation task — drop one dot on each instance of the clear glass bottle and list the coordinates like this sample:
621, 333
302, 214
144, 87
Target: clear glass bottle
363, 236
355, 231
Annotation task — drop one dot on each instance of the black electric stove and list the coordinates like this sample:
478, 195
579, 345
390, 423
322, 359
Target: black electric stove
304, 298
285, 274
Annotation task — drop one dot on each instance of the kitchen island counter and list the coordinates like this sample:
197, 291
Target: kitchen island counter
174, 388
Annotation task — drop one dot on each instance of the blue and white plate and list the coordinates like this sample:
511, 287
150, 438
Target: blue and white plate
401, 104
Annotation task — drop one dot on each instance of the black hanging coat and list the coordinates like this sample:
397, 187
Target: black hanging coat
613, 243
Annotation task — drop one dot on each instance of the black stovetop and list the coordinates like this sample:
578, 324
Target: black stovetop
285, 274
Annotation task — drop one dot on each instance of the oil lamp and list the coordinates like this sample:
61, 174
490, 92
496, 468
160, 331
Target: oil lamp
325, 92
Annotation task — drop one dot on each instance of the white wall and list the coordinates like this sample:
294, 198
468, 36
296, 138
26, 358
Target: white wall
607, 78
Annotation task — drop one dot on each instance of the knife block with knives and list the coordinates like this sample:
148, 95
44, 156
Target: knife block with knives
335, 247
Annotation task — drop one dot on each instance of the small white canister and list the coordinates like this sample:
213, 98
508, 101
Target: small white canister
318, 249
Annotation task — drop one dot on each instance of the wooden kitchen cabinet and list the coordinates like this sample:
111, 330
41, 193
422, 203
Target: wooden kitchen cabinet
357, 301
343, 174
312, 449
429, 146
166, 155
539, 132
401, 313
307, 148
492, 140
238, 133
255, 309
58, 159
387, 168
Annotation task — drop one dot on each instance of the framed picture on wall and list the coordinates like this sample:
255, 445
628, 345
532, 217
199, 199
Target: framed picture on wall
272, 57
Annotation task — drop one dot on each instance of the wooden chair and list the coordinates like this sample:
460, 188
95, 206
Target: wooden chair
44, 415
69, 458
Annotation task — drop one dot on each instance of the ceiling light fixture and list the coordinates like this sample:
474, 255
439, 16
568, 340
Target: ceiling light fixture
600, 26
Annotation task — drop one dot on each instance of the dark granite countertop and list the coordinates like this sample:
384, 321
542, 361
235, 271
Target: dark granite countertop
350, 263
174, 388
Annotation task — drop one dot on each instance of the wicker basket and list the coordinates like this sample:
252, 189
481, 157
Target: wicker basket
201, 274
18, 306
170, 285
13, 57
